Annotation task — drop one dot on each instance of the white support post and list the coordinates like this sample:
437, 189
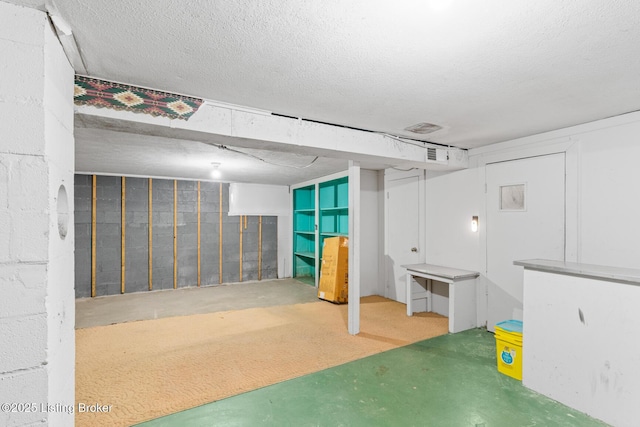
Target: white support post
354, 247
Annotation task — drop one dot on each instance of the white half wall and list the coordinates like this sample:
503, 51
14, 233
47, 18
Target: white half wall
580, 346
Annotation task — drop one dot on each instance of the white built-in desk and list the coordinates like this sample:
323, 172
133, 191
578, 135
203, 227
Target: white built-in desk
462, 293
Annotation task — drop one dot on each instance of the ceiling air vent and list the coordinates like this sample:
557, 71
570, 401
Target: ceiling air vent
423, 128
432, 154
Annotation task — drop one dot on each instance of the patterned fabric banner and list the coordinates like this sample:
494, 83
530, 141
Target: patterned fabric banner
117, 96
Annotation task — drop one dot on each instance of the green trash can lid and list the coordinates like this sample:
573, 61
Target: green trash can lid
510, 326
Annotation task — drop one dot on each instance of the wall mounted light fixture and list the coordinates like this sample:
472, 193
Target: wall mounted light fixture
474, 224
215, 172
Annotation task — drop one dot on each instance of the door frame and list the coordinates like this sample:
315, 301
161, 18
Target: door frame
392, 175
484, 241
522, 150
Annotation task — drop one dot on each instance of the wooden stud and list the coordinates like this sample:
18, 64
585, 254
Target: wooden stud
220, 235
150, 234
93, 236
241, 248
123, 230
198, 233
245, 222
260, 248
175, 234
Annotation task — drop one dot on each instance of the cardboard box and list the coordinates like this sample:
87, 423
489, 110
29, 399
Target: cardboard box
334, 271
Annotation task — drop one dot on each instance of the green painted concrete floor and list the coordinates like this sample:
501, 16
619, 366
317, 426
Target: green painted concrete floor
450, 380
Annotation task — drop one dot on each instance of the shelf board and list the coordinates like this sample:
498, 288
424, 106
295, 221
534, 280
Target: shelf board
305, 232
334, 234
310, 255
339, 208
308, 280
309, 210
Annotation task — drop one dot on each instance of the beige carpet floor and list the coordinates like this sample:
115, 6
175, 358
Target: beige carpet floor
151, 368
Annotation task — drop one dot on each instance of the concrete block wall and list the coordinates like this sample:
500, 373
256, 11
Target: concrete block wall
187, 233
82, 227
137, 235
210, 232
250, 248
36, 238
162, 231
108, 236
269, 247
230, 246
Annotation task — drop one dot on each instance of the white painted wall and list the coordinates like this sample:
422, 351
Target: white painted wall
608, 201
370, 231
580, 346
59, 155
382, 268
601, 201
259, 199
37, 356
452, 199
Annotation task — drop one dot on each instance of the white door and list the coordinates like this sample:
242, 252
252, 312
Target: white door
403, 233
525, 220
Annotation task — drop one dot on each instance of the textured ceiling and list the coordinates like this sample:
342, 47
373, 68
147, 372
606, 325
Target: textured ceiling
486, 71
107, 151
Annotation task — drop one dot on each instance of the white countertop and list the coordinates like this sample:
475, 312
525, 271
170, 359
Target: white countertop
438, 270
618, 274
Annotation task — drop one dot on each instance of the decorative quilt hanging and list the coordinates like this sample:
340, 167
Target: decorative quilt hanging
118, 96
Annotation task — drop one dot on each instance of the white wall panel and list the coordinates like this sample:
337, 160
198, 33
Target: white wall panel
259, 199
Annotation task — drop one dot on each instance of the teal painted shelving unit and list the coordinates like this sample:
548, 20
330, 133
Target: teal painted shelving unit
334, 209
326, 204
304, 234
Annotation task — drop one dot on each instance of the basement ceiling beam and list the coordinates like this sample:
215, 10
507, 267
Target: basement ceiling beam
247, 129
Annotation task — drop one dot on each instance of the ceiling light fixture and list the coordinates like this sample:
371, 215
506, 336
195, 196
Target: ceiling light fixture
215, 172
440, 5
423, 128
